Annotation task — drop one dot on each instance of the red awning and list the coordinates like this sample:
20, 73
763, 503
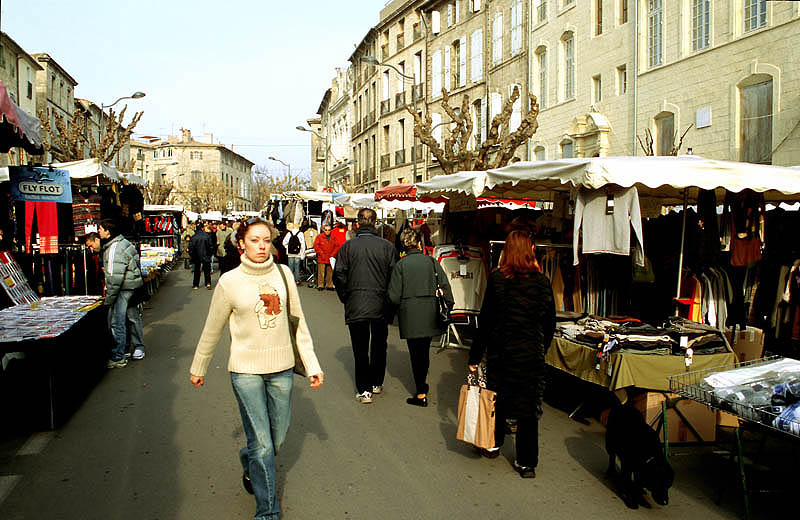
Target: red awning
403, 192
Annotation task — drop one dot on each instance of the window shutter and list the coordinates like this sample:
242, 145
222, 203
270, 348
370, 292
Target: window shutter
496, 102
436, 22
385, 85
437, 131
477, 55
476, 5
458, 11
447, 68
516, 113
462, 61
436, 75
497, 39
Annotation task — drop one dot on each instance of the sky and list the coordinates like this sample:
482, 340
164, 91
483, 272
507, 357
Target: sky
248, 71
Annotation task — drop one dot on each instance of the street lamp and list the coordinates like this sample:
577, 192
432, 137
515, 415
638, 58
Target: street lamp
372, 60
325, 141
288, 167
136, 95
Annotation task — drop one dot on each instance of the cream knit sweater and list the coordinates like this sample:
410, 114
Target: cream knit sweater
252, 300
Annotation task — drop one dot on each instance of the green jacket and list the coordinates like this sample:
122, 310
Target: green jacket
412, 287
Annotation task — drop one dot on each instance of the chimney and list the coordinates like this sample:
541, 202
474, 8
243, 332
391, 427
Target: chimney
186, 135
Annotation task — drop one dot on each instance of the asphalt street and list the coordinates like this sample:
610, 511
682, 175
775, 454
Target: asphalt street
145, 444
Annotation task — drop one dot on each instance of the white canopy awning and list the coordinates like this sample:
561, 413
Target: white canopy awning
470, 183
133, 178
367, 200
174, 208
660, 177
323, 196
89, 169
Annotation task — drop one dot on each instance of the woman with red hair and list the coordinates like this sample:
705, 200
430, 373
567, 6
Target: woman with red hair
517, 322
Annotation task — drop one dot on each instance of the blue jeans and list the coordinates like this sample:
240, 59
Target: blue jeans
265, 403
294, 265
119, 316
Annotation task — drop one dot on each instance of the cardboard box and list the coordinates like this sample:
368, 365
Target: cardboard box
702, 418
748, 344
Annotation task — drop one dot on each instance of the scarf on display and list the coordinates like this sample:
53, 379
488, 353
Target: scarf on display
47, 223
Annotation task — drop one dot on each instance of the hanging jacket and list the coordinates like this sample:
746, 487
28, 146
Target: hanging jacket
121, 265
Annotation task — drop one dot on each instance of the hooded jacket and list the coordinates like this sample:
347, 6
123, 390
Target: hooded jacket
121, 265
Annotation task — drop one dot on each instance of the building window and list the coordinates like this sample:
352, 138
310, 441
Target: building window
538, 152
541, 60
418, 68
436, 22
654, 32
516, 111
400, 80
401, 137
567, 149
196, 156
665, 133
701, 24
541, 11
459, 52
567, 3
385, 85
622, 79
477, 122
755, 14
449, 15
497, 38
30, 90
623, 11
756, 123
597, 88
516, 27
476, 5
457, 11
569, 67
598, 15
477, 56
447, 69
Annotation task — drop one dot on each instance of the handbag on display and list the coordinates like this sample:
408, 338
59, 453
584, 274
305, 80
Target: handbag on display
442, 307
476, 412
294, 323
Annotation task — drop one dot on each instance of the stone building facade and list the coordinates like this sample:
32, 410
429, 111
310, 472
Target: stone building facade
335, 114
18, 73
364, 116
181, 160
55, 90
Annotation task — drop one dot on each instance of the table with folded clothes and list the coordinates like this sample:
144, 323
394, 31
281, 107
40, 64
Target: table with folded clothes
618, 353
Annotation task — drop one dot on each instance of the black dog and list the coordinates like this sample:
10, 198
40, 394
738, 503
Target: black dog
641, 455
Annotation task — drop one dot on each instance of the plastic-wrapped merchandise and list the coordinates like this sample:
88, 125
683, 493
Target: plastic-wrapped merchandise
789, 420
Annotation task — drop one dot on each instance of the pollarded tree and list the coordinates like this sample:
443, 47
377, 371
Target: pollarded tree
495, 151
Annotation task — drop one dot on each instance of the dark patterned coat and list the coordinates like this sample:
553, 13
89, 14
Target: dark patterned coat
517, 323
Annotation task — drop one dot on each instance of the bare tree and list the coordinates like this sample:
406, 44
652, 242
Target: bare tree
70, 142
495, 151
158, 192
204, 192
265, 184
647, 145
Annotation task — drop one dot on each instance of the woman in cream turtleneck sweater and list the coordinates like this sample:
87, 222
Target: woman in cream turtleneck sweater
251, 299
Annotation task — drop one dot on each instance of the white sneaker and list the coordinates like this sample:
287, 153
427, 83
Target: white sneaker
377, 389
364, 397
138, 354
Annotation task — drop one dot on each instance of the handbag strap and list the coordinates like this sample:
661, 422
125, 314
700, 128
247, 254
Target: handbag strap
436, 274
288, 297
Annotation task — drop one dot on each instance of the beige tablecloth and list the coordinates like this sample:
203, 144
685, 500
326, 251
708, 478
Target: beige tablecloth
647, 371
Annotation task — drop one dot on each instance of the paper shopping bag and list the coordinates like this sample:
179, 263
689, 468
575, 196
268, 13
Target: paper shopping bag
476, 416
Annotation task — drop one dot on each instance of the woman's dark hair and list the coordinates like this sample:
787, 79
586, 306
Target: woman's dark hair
518, 257
242, 231
110, 226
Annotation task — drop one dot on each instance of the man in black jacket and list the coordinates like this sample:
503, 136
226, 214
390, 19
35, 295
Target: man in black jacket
361, 276
201, 248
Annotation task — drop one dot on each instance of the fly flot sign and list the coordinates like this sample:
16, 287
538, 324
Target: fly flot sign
40, 184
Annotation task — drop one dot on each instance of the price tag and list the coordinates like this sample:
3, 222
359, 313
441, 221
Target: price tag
684, 341
462, 269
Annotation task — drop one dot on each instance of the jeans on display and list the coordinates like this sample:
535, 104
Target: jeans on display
294, 265
419, 350
206, 267
265, 402
324, 276
527, 437
120, 315
369, 351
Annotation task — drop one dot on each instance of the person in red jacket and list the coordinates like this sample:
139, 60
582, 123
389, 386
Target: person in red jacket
326, 246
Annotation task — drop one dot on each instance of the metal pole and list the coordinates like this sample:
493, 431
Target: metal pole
683, 243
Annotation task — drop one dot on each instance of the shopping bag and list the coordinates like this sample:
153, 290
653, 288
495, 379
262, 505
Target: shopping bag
476, 416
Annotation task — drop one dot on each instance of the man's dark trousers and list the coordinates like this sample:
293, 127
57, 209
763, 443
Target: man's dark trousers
369, 351
206, 267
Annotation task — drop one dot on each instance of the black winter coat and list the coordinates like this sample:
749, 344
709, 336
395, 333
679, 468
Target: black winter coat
201, 247
517, 322
361, 276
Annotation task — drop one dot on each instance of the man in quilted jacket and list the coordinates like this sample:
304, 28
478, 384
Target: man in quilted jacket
123, 275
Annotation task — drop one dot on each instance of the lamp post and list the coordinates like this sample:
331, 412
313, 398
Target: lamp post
135, 95
288, 166
372, 60
325, 144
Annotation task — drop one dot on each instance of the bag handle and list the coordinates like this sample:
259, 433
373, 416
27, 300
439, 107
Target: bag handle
477, 378
436, 275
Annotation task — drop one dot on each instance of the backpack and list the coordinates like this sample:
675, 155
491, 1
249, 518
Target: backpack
294, 244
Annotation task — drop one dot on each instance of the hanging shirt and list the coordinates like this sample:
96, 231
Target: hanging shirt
608, 233
467, 279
